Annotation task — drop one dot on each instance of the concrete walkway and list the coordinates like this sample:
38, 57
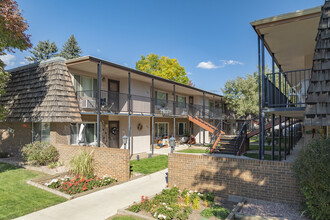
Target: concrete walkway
104, 203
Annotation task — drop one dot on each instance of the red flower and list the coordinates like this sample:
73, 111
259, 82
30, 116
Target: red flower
87, 181
84, 188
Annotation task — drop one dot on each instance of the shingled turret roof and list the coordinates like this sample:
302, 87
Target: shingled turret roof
41, 92
317, 111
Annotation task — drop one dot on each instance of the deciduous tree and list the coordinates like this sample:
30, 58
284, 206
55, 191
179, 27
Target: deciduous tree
164, 67
242, 95
12, 36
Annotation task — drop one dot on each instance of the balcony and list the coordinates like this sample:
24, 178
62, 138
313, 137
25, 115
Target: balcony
118, 103
286, 90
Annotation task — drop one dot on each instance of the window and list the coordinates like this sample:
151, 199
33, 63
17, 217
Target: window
161, 98
41, 132
181, 128
85, 86
180, 101
84, 133
161, 129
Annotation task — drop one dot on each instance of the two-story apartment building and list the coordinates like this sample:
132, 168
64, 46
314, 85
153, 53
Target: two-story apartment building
89, 101
298, 94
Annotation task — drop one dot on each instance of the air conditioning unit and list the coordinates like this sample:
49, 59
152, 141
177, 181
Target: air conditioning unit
87, 103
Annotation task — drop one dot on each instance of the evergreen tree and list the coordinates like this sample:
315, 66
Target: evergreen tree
43, 51
71, 49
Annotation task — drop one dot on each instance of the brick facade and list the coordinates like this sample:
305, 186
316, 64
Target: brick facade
13, 136
109, 161
266, 180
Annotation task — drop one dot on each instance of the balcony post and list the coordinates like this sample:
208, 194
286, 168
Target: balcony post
273, 136
261, 96
204, 117
129, 112
214, 111
273, 116
174, 108
98, 125
280, 139
152, 115
285, 119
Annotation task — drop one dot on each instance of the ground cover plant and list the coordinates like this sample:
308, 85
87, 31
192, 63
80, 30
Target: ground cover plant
176, 204
313, 174
18, 198
79, 184
149, 165
40, 153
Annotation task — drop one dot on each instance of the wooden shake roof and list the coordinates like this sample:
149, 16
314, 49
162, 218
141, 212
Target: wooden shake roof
317, 111
41, 92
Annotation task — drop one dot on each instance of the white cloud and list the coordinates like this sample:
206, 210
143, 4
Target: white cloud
98, 50
207, 65
189, 73
8, 59
23, 63
230, 62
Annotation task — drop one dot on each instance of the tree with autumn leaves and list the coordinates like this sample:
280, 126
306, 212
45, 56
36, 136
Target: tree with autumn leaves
13, 37
164, 67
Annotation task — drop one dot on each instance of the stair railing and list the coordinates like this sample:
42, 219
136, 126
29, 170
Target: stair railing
215, 134
241, 138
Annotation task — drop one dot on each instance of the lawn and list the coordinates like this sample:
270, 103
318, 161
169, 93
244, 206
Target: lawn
149, 165
18, 198
195, 151
256, 156
267, 147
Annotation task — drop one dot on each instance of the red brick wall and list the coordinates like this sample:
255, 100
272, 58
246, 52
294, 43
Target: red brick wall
266, 180
111, 161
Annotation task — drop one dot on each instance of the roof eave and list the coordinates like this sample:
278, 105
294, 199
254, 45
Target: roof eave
97, 60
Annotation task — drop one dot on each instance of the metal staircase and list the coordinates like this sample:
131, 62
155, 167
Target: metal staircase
215, 131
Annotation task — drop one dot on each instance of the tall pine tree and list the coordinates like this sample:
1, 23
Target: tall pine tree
43, 51
71, 49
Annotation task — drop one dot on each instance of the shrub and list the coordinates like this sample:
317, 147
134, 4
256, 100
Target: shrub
217, 211
195, 203
82, 164
4, 154
40, 153
313, 174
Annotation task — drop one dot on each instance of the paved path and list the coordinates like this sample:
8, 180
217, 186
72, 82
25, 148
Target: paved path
104, 203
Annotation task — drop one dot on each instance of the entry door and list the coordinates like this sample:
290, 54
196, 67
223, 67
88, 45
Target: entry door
191, 103
114, 134
113, 97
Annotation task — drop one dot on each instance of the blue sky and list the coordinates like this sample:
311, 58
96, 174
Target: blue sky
213, 40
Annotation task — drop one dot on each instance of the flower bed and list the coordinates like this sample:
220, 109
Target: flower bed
79, 184
176, 204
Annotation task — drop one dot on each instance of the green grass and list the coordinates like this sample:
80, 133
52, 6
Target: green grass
149, 165
267, 147
18, 198
254, 139
195, 151
256, 156
124, 218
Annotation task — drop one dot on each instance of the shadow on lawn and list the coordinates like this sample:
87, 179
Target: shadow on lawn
6, 167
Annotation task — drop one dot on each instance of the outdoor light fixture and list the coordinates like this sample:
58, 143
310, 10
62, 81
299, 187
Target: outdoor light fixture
125, 141
172, 143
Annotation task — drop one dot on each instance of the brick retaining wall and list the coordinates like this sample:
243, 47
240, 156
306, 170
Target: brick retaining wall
266, 180
109, 161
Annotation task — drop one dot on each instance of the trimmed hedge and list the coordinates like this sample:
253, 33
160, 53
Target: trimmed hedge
312, 168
